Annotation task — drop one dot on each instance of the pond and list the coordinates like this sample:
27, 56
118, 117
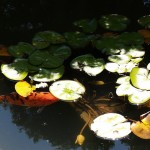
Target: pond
55, 127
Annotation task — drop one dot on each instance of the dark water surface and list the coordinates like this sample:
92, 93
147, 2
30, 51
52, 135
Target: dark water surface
56, 126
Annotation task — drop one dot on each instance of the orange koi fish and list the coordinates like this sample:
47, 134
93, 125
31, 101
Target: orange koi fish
35, 99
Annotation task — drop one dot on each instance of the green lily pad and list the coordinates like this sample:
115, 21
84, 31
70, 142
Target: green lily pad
45, 38
48, 75
139, 98
89, 64
61, 51
12, 72
52, 62
114, 22
24, 65
120, 59
87, 25
38, 57
145, 21
131, 38
108, 45
78, 39
140, 78
21, 50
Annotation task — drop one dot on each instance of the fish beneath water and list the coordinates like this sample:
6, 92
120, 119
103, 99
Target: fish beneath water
35, 99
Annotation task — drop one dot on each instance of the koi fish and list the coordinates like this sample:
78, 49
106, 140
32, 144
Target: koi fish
35, 99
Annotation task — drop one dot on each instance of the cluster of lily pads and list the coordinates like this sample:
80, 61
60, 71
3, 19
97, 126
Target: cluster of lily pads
136, 86
43, 60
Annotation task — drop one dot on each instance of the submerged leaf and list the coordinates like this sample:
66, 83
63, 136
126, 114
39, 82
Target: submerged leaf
97, 82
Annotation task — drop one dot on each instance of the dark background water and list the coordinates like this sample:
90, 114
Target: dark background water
56, 127
21, 19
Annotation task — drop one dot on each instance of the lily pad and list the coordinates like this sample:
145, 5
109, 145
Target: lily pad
120, 59
139, 97
145, 21
61, 51
67, 90
89, 64
111, 126
13, 73
45, 38
109, 45
21, 50
52, 62
114, 22
38, 57
131, 38
140, 78
141, 130
48, 75
87, 25
78, 39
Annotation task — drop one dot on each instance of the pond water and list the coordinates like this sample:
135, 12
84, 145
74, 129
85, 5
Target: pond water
55, 127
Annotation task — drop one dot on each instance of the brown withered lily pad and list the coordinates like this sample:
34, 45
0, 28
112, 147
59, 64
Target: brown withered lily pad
141, 130
146, 34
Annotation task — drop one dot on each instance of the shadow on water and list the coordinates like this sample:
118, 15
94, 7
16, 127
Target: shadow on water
21, 19
56, 126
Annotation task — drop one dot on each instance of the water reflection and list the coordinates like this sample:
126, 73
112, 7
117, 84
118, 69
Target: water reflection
56, 127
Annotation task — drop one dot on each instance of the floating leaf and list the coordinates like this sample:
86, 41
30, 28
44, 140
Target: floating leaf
20, 50
67, 90
38, 57
48, 75
131, 38
61, 51
120, 59
13, 73
108, 45
111, 126
45, 38
145, 118
145, 21
114, 22
52, 62
141, 130
146, 34
23, 88
140, 78
78, 39
89, 64
87, 25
